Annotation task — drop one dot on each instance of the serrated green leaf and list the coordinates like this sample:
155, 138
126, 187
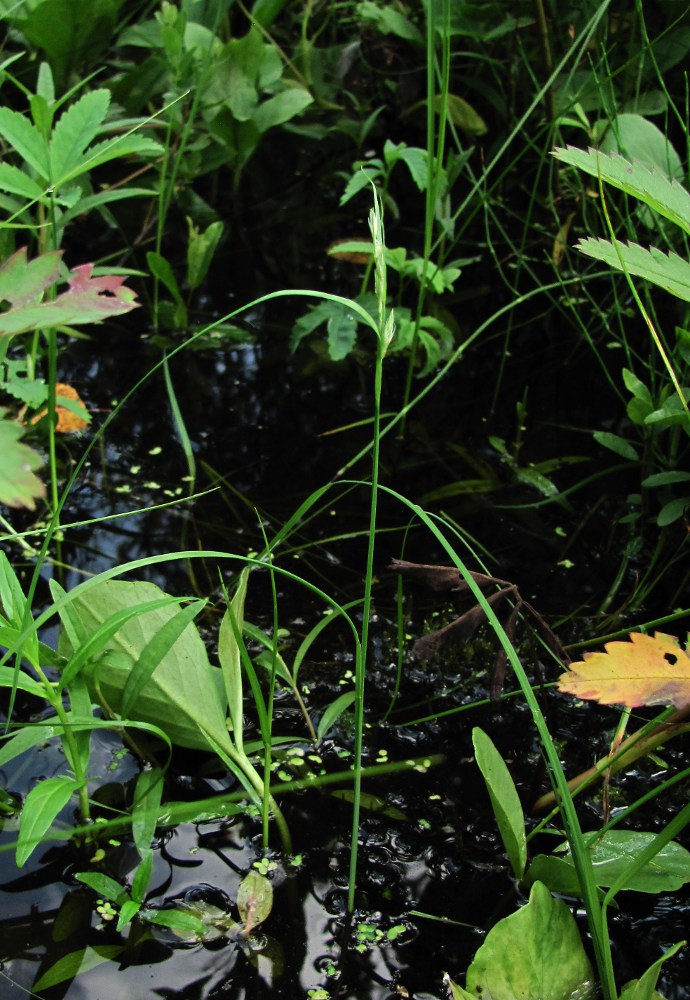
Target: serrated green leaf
130, 144
390, 21
640, 141
43, 803
667, 270
504, 800
650, 185
417, 162
18, 132
23, 282
342, 334
75, 130
16, 181
19, 486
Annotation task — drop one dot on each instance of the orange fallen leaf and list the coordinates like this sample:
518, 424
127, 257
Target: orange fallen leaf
648, 670
68, 422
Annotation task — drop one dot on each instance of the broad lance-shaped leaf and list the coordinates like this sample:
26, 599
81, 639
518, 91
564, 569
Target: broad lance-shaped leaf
645, 671
667, 270
650, 185
184, 694
504, 800
534, 954
88, 299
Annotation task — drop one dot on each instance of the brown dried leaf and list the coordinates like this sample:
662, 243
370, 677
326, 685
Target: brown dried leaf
68, 422
648, 670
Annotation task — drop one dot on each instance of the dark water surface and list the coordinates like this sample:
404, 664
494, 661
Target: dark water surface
433, 880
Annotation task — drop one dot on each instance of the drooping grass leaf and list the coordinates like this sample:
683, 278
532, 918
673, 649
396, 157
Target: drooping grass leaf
147, 799
667, 270
534, 954
644, 988
25, 739
154, 652
504, 800
41, 806
80, 961
650, 185
333, 712
230, 656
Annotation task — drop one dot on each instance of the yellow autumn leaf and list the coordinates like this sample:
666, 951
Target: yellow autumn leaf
648, 670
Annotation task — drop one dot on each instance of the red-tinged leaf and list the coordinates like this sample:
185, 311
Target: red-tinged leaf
87, 300
648, 670
23, 282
